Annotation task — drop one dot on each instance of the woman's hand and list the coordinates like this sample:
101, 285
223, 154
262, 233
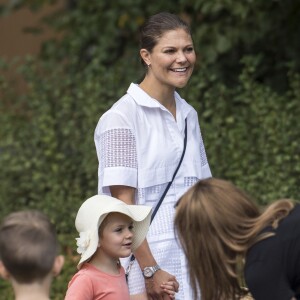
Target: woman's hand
161, 286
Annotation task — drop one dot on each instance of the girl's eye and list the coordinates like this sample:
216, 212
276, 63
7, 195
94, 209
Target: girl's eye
118, 230
131, 227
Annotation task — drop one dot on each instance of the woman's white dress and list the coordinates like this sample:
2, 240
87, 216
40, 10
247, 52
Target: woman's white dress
139, 144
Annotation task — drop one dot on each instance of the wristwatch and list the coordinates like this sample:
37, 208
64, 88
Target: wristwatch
148, 272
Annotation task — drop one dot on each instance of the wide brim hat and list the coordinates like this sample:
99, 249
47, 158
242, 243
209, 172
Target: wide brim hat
92, 213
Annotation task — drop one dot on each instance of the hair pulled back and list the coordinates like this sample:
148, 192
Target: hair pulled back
158, 24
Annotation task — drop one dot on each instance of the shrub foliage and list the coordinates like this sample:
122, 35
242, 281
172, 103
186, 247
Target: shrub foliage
246, 88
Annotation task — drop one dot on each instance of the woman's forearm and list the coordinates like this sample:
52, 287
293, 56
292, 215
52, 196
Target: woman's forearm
144, 256
143, 253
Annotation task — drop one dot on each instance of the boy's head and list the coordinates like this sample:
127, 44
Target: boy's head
96, 212
28, 247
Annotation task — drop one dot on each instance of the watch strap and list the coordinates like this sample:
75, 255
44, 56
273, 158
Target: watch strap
153, 269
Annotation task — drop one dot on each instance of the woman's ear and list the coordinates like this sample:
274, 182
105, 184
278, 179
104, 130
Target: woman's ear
145, 55
3, 272
58, 264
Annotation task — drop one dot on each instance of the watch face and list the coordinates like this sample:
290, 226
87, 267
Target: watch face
148, 272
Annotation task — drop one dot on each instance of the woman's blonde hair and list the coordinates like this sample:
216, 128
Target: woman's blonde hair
216, 224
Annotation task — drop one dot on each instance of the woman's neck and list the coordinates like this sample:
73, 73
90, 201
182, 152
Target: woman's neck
162, 93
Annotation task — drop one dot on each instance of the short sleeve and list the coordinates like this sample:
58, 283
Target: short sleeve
80, 288
116, 150
206, 172
204, 161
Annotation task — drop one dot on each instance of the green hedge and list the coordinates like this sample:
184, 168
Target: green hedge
251, 133
247, 93
48, 158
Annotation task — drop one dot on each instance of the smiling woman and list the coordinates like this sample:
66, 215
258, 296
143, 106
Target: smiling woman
140, 142
170, 63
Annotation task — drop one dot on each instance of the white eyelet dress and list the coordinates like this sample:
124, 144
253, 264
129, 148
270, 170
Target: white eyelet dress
139, 144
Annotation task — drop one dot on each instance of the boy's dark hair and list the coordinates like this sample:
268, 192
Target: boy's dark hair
28, 245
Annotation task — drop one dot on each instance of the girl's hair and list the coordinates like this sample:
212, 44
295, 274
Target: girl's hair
154, 28
216, 224
28, 245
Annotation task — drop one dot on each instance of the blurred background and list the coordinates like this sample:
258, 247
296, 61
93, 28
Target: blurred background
63, 63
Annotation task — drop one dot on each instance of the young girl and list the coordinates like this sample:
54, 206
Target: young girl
108, 229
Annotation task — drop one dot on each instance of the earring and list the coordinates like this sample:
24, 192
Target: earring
148, 65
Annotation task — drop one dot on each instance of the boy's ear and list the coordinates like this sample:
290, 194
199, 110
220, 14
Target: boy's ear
3, 272
58, 264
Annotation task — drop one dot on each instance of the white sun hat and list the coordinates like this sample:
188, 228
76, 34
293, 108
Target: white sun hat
92, 213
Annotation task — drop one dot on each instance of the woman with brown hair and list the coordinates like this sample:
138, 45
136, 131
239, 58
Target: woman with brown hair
226, 239
148, 135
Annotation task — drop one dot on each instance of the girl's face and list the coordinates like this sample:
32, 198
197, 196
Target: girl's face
172, 60
116, 237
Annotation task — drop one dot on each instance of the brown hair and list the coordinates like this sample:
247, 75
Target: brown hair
154, 28
28, 245
216, 224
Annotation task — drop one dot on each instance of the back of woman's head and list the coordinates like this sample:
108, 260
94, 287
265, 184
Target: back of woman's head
217, 207
213, 220
154, 28
216, 224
